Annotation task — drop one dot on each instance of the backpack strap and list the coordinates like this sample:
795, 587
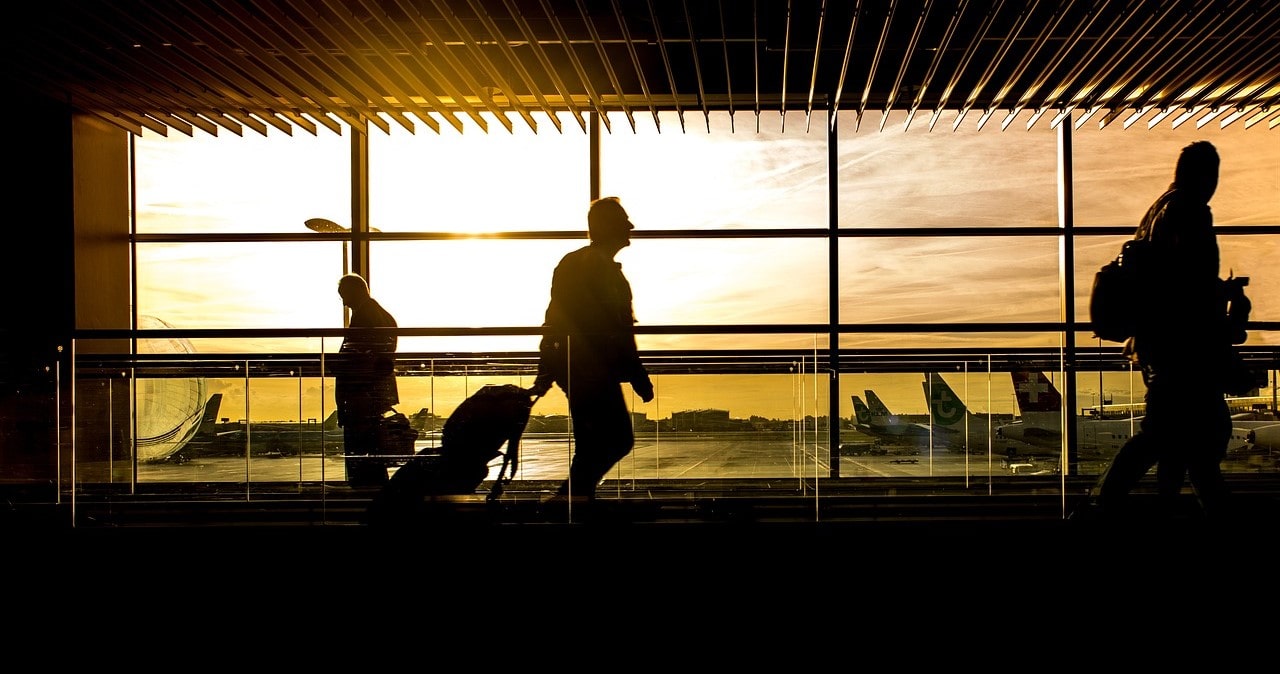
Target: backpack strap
1155, 213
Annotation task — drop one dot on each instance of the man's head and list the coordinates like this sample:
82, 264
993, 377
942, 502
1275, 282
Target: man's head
353, 289
1197, 170
608, 224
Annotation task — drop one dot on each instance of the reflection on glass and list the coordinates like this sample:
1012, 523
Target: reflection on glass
274, 426
169, 405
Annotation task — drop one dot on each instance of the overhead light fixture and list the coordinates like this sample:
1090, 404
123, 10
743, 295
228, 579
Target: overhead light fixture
324, 225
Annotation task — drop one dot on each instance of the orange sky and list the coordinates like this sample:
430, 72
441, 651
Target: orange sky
672, 180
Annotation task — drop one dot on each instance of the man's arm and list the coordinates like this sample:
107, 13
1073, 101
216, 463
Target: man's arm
551, 362
552, 356
643, 385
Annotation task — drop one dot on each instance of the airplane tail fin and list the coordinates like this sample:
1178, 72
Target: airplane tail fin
879, 412
330, 422
945, 407
1035, 392
210, 417
861, 413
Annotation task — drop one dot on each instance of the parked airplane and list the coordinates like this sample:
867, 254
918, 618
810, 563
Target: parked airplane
169, 447
1040, 419
1265, 438
886, 428
265, 439
1243, 408
275, 439
955, 427
1040, 422
883, 423
1254, 432
1039, 410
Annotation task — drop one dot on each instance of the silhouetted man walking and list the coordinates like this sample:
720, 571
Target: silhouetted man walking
365, 383
1183, 346
589, 347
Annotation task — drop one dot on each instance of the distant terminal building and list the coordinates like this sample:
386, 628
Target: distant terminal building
706, 420
689, 421
640, 422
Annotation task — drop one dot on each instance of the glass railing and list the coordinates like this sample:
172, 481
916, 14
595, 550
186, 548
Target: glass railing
167, 427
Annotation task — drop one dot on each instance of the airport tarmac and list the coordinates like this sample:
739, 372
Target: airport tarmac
710, 456
680, 457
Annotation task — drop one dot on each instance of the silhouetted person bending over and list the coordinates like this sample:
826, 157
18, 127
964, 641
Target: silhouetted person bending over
365, 382
589, 347
1183, 347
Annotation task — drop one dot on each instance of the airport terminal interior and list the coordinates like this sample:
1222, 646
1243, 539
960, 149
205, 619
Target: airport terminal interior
864, 241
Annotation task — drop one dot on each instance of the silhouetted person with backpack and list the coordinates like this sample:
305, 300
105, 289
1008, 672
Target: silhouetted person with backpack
589, 347
365, 382
1183, 345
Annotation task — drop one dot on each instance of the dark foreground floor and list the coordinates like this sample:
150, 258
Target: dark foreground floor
679, 555
643, 592
1018, 553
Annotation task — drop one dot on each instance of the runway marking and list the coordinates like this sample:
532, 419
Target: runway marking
869, 469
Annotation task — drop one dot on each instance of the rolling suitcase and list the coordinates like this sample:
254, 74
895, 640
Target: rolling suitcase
473, 436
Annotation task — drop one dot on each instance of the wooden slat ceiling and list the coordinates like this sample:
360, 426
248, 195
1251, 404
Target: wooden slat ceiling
318, 66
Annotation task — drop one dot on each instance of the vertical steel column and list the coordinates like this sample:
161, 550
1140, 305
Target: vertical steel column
593, 161
71, 415
833, 293
1070, 457
360, 201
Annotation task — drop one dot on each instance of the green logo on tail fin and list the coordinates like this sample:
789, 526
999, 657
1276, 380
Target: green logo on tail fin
944, 407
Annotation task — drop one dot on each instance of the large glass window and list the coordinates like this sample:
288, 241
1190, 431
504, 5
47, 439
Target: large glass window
942, 177
733, 176
674, 282
478, 182
236, 285
204, 184
948, 279
1118, 172
466, 283
727, 176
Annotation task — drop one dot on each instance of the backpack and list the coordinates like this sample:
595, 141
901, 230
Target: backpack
395, 438
1115, 299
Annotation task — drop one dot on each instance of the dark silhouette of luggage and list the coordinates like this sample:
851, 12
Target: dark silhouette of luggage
472, 437
1118, 297
395, 438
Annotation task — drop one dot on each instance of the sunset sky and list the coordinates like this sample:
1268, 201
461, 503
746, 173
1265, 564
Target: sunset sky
737, 179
